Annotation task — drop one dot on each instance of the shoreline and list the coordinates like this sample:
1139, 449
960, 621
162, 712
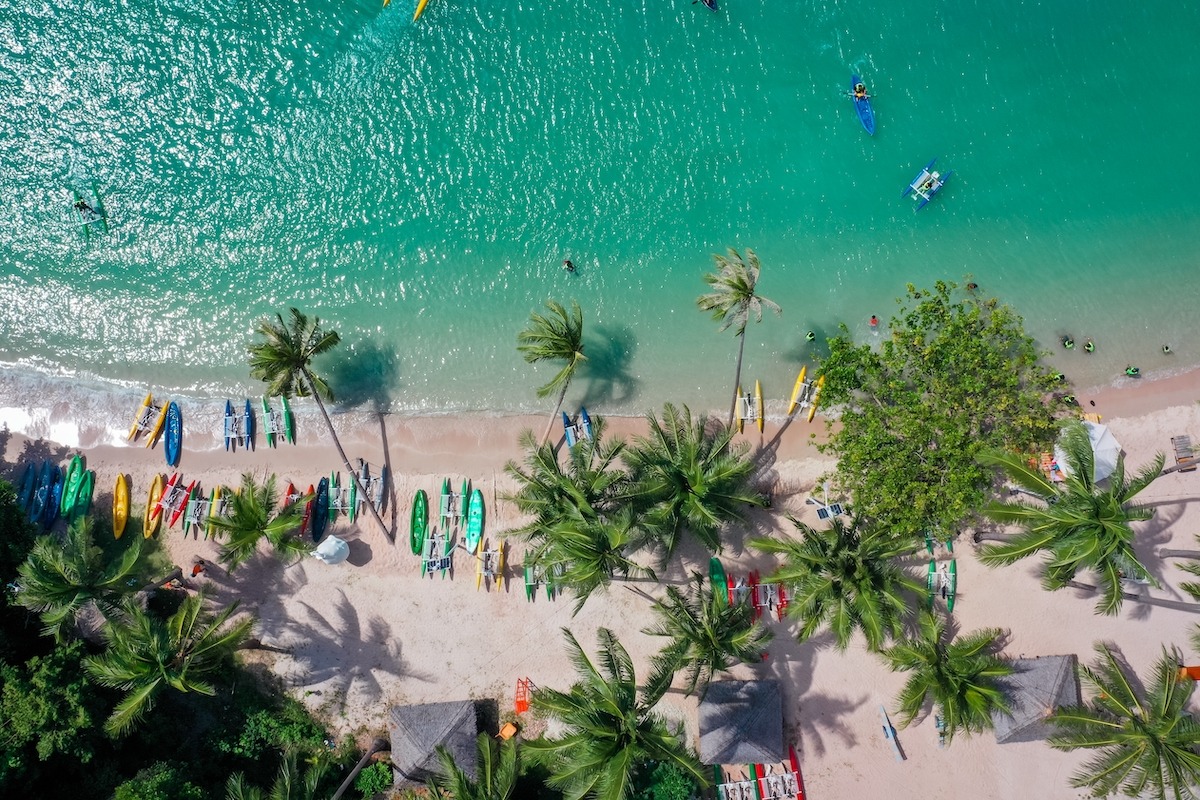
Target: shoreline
372, 632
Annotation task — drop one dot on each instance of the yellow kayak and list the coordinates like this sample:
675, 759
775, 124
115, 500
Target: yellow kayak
150, 521
796, 390
758, 405
737, 410
812, 410
120, 506
158, 425
137, 420
420, 9
500, 566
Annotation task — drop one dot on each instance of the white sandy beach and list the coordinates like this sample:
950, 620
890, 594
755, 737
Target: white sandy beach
372, 632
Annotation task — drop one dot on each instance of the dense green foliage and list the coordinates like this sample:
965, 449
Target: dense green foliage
289, 784
1079, 524
556, 336
665, 781
846, 578
954, 376
251, 518
373, 780
958, 675
161, 781
1146, 737
607, 731
496, 770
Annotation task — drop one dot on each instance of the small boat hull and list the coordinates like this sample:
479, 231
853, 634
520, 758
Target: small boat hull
150, 520
137, 420
320, 516
760, 417
474, 522
796, 390
173, 441
862, 105
120, 505
419, 522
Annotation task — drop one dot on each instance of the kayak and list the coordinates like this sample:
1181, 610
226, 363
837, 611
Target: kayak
420, 9
320, 516
952, 587
54, 501
289, 422
816, 395
173, 441
334, 495
157, 428
866, 115
926, 185
66, 506
796, 389
83, 498
931, 582
248, 426
568, 430
758, 405
141, 419
120, 505
308, 509
268, 422
474, 521
150, 520
28, 484
41, 494
419, 522
716, 577
586, 422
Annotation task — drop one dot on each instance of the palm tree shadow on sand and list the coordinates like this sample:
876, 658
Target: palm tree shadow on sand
606, 371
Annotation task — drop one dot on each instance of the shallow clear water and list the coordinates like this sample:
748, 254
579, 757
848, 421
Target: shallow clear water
418, 185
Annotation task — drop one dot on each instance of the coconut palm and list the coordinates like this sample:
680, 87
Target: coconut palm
498, 767
845, 578
607, 732
958, 675
289, 785
146, 655
1146, 737
708, 635
1079, 524
734, 300
60, 580
283, 359
557, 336
250, 518
690, 477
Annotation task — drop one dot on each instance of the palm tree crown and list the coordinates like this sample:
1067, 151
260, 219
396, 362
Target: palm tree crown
146, 655
59, 580
608, 732
498, 767
288, 783
689, 477
1081, 526
1146, 738
734, 300
845, 577
708, 635
556, 336
250, 518
958, 675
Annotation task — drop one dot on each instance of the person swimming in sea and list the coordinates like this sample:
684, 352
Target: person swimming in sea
810, 336
873, 322
1133, 372
1068, 342
1089, 347
567, 265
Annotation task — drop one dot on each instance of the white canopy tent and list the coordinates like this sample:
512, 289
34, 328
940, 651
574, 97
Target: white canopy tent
1105, 449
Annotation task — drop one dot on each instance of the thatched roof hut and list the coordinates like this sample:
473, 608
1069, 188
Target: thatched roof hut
1036, 688
741, 722
416, 730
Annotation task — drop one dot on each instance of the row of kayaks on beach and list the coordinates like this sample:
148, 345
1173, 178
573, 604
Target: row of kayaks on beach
50, 492
159, 419
164, 419
461, 519
806, 394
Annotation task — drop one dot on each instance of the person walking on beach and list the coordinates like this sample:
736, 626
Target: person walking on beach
199, 567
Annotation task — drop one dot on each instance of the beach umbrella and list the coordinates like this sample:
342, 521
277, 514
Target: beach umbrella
1105, 448
741, 722
332, 550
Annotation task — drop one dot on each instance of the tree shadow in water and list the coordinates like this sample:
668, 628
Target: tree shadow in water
606, 371
365, 373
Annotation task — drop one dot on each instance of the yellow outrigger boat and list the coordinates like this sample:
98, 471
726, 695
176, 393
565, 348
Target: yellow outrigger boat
812, 410
758, 405
150, 521
796, 390
158, 425
120, 506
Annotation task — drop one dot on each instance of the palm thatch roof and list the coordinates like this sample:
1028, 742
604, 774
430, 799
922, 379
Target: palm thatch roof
416, 730
741, 722
1036, 688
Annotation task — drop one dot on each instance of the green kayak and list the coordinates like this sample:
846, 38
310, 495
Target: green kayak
474, 521
419, 522
66, 505
716, 576
83, 500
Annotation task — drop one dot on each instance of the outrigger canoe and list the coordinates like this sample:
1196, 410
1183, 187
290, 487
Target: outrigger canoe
140, 420
419, 523
230, 427
816, 396
150, 520
474, 521
83, 498
41, 494
66, 506
926, 185
158, 426
28, 485
952, 586
866, 115
289, 422
420, 9
797, 389
120, 505
758, 405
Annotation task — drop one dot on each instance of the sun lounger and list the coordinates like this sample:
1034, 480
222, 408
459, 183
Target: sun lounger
1183, 451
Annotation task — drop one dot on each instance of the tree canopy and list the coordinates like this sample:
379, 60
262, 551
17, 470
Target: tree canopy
954, 376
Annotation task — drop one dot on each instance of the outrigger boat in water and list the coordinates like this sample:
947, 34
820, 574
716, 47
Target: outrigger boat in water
926, 185
88, 211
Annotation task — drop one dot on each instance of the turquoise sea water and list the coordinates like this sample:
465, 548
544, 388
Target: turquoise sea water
418, 185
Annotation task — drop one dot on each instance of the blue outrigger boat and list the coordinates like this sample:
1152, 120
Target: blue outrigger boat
926, 185
862, 104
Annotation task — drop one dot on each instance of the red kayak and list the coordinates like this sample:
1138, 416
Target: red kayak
754, 596
166, 494
308, 509
187, 495
796, 771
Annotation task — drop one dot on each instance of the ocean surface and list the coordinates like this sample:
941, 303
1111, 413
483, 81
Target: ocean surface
417, 186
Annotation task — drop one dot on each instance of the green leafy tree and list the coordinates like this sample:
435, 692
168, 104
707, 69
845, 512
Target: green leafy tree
60, 580
689, 477
284, 361
161, 781
958, 675
557, 336
608, 732
1079, 524
146, 655
665, 782
734, 299
708, 635
497, 768
251, 518
955, 377
289, 783
845, 578
1146, 738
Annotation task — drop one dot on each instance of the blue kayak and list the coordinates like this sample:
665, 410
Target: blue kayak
41, 495
54, 498
568, 429
28, 485
866, 115
248, 426
320, 516
173, 439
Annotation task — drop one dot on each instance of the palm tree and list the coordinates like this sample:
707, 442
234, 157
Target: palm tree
1146, 738
288, 783
845, 577
708, 635
734, 300
146, 655
689, 476
1081, 526
958, 675
250, 518
283, 359
607, 731
61, 580
498, 768
557, 336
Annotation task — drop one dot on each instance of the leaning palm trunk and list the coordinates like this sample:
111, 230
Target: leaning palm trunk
362, 490
557, 408
377, 746
737, 377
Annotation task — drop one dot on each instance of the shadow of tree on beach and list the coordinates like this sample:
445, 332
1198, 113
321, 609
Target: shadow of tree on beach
34, 451
363, 373
606, 374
